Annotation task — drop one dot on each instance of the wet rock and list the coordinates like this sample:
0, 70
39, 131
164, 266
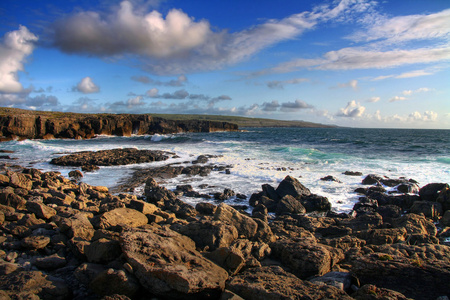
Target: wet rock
372, 179
315, 203
430, 192
75, 174
444, 198
205, 208
352, 173
275, 283
330, 178
167, 264
389, 212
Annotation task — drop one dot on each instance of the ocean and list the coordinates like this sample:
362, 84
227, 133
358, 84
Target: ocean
267, 155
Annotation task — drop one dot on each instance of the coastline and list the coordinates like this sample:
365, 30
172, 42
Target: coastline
74, 239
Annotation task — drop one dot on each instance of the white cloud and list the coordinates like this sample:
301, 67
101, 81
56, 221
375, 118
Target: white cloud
14, 48
407, 28
352, 110
427, 116
177, 43
86, 86
374, 99
276, 84
397, 98
416, 73
152, 93
352, 83
180, 81
411, 92
136, 101
294, 106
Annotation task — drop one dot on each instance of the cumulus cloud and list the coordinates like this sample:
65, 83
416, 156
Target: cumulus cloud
352, 110
180, 81
177, 43
294, 106
427, 116
86, 86
15, 47
276, 84
152, 93
270, 106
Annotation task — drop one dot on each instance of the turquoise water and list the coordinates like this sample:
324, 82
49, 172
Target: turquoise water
267, 155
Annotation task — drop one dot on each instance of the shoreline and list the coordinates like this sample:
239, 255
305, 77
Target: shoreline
74, 239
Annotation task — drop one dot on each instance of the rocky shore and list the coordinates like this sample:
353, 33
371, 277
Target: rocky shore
25, 124
62, 239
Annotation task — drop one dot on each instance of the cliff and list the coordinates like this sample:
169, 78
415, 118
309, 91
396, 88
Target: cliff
24, 124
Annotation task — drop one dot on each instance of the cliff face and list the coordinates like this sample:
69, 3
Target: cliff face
15, 123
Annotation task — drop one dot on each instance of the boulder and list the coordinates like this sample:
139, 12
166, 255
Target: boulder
429, 209
51, 262
77, 226
143, 207
210, 234
444, 198
291, 186
415, 224
35, 242
205, 208
275, 283
371, 292
314, 202
110, 282
290, 205
40, 210
167, 264
430, 192
123, 217
102, 251
228, 258
245, 225
340, 280
19, 180
372, 179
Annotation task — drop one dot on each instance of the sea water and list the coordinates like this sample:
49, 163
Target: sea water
266, 156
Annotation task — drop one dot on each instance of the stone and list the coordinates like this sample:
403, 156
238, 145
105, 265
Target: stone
291, 186
446, 218
371, 179
167, 264
430, 192
228, 258
444, 198
19, 180
245, 225
383, 236
35, 242
371, 292
102, 251
86, 272
110, 282
314, 202
205, 208
429, 209
275, 283
77, 226
288, 204
29, 284
210, 234
75, 174
121, 216
340, 280
40, 210
12, 200
143, 207
51, 262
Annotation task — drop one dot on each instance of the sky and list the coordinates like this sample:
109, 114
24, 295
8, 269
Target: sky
357, 63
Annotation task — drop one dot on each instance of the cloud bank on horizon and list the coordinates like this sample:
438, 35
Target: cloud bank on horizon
349, 62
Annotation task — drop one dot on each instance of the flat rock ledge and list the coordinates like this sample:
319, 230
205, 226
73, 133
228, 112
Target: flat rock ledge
60, 239
111, 157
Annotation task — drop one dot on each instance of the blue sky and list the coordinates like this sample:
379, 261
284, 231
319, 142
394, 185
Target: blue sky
351, 63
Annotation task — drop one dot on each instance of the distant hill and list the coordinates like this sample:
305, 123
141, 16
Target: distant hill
245, 121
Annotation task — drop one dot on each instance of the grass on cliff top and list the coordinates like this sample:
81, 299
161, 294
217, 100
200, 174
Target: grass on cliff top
240, 121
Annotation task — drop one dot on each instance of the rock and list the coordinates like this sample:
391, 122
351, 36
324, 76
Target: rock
293, 187
446, 218
429, 209
444, 198
229, 295
89, 168
227, 194
102, 251
352, 173
121, 216
330, 178
315, 203
229, 258
205, 208
86, 272
389, 212
110, 282
35, 242
12, 200
156, 194
8, 268
371, 292
29, 284
167, 264
275, 283
340, 280
51, 262
19, 180
245, 225
430, 192
40, 210
143, 207
290, 205
75, 174
260, 212
77, 226
408, 187
210, 234
383, 236
305, 260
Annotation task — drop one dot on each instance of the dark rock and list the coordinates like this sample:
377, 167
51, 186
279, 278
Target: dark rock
89, 168
352, 173
76, 174
371, 292
205, 208
430, 209
275, 283
372, 179
110, 282
330, 178
340, 280
228, 258
444, 198
314, 202
167, 264
51, 262
35, 242
202, 159
102, 251
293, 187
389, 212
260, 212
290, 205
430, 192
